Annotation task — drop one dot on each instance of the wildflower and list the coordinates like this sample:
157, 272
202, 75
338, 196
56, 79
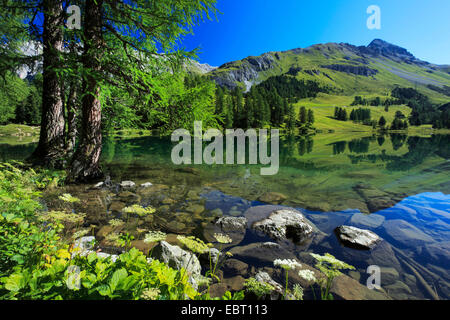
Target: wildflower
80, 233
308, 275
67, 197
222, 238
150, 294
113, 238
115, 223
154, 236
194, 244
287, 264
297, 292
139, 210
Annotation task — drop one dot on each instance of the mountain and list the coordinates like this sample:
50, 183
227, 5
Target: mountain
345, 68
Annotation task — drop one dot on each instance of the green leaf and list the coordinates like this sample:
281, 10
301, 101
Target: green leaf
15, 282
117, 277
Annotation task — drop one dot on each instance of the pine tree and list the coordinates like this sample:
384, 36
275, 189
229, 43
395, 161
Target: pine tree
302, 116
310, 117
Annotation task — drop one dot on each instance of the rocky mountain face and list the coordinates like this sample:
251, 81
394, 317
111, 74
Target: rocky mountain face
328, 61
247, 72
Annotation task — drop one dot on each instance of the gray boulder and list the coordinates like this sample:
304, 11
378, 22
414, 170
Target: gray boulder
127, 184
232, 224
357, 238
177, 258
285, 223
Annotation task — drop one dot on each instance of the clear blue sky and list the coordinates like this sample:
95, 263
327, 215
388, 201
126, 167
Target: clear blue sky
252, 27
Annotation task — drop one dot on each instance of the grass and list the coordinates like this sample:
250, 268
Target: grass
323, 107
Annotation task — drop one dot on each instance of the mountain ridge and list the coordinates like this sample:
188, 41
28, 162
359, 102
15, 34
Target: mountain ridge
379, 64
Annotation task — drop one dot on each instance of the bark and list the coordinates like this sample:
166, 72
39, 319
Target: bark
85, 164
72, 108
50, 149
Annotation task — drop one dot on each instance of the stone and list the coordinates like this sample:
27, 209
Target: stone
127, 184
232, 224
146, 185
388, 276
127, 196
177, 258
234, 267
367, 220
235, 283
84, 244
264, 277
286, 223
117, 206
406, 233
216, 212
217, 290
355, 275
98, 185
272, 197
261, 253
346, 288
195, 208
398, 290
357, 238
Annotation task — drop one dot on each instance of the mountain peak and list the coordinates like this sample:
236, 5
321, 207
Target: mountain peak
385, 48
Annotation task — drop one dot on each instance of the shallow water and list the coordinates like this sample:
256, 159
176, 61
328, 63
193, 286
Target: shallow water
395, 185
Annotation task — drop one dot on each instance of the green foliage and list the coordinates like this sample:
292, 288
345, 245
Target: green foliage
330, 267
260, 289
36, 264
13, 93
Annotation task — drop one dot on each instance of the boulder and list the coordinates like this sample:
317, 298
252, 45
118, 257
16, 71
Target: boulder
286, 223
177, 258
234, 267
146, 185
261, 254
367, 220
406, 234
388, 276
232, 224
127, 184
272, 197
357, 238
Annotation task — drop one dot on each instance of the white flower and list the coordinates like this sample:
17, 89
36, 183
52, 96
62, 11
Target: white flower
287, 264
308, 275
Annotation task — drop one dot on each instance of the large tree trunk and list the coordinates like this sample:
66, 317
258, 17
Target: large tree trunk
50, 149
85, 164
72, 108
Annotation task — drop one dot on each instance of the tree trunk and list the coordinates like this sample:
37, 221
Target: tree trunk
72, 108
85, 164
50, 149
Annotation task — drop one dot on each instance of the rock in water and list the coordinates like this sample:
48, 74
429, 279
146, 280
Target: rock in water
232, 224
272, 197
357, 238
287, 223
127, 184
177, 258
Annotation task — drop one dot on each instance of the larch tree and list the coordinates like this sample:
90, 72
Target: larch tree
125, 44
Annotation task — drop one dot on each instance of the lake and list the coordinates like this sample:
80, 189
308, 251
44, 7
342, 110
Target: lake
395, 185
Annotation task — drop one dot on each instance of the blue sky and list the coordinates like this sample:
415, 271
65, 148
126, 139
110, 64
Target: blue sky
252, 27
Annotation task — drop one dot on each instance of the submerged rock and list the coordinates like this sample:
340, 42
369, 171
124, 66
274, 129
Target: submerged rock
272, 197
367, 220
406, 233
261, 253
286, 223
357, 238
234, 267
